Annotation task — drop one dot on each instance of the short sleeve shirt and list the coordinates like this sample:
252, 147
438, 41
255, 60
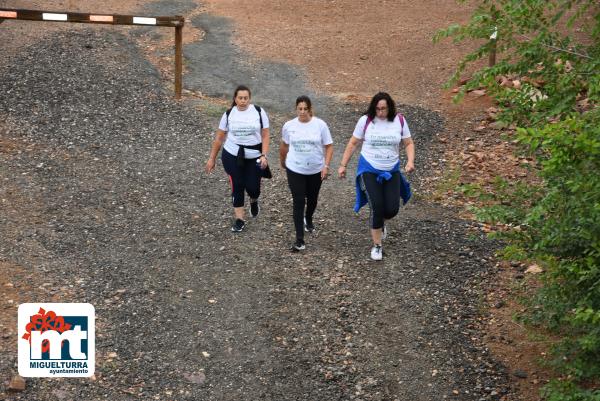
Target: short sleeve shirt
243, 128
306, 154
381, 141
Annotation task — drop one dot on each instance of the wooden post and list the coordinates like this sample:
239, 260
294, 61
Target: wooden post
178, 60
492, 60
493, 46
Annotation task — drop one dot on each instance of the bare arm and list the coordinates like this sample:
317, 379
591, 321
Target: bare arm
214, 150
284, 148
265, 147
409, 146
348, 152
328, 156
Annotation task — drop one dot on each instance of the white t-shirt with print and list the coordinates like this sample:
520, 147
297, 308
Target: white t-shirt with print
381, 141
243, 128
306, 140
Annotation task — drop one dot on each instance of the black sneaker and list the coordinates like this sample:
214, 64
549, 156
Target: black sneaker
254, 208
308, 227
238, 225
298, 246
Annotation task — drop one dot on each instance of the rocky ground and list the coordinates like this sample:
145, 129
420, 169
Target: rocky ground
103, 200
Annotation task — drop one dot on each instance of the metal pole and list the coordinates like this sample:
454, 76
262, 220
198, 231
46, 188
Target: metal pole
178, 60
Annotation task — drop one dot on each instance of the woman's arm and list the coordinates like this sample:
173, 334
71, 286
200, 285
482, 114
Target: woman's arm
328, 156
284, 148
216, 146
265, 147
348, 152
409, 146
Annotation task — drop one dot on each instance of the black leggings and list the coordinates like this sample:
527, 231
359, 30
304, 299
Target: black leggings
384, 198
242, 178
305, 190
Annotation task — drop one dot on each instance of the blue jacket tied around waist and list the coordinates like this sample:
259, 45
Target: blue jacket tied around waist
382, 175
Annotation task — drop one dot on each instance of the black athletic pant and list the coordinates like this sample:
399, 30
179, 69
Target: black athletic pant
305, 191
242, 178
384, 198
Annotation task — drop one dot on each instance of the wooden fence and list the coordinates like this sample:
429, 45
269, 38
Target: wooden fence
176, 22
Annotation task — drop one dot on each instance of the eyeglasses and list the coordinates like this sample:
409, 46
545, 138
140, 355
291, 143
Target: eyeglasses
381, 108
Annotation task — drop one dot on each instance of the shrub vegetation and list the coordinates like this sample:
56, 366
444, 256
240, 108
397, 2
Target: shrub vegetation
546, 82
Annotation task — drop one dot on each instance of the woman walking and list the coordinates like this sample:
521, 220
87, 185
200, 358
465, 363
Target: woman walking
244, 134
305, 153
378, 178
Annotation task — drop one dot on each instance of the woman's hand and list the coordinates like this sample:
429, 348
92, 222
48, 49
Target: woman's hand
409, 146
350, 148
284, 148
325, 173
210, 165
214, 150
263, 162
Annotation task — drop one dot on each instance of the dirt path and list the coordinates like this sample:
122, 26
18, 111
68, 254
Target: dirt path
354, 47
103, 203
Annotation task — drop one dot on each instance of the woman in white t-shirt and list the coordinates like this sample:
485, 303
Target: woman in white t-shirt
244, 134
378, 178
305, 153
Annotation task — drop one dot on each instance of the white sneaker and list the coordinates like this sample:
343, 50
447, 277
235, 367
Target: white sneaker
384, 232
376, 252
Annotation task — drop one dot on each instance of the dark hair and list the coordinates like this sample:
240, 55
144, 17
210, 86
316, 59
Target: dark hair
371, 112
240, 88
305, 99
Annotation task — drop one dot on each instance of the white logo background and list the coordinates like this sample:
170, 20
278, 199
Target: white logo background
55, 367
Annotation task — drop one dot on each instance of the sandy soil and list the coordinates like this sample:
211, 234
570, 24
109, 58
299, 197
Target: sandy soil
354, 47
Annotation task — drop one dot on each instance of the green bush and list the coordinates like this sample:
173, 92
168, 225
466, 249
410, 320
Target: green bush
553, 49
567, 391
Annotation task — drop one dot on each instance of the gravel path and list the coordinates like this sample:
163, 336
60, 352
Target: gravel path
102, 196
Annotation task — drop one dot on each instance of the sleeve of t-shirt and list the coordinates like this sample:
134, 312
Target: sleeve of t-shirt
405, 130
265, 118
285, 136
359, 130
325, 134
223, 123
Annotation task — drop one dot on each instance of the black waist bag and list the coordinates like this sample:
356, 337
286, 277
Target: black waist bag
266, 173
